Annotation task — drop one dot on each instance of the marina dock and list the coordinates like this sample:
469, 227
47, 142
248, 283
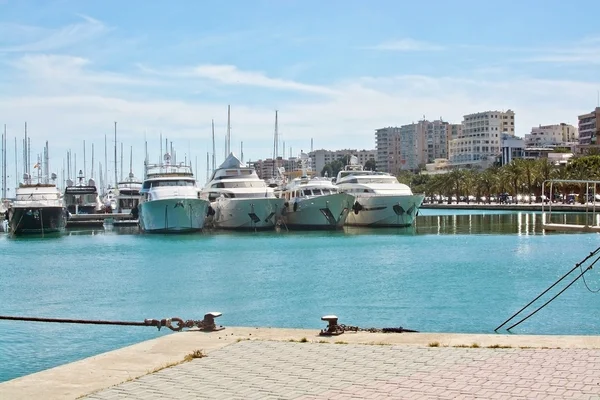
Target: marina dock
244, 362
98, 220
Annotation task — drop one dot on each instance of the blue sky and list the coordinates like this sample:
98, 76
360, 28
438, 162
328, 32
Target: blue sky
335, 70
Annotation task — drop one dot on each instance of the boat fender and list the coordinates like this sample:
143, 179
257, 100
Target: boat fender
295, 206
210, 211
357, 207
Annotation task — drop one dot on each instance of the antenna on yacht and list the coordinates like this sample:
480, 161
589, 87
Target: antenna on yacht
214, 166
4, 163
131, 161
242, 152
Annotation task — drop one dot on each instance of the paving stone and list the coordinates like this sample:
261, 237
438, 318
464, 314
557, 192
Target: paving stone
286, 370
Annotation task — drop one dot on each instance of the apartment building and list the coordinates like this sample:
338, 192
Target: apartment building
411, 147
319, 158
589, 128
551, 135
478, 143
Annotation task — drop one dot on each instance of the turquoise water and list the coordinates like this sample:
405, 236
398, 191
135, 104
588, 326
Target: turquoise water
455, 271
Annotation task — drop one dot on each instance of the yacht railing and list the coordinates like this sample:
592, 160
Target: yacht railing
565, 195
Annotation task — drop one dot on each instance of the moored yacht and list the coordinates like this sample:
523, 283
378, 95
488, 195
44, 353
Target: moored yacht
82, 198
240, 199
315, 204
170, 200
37, 208
128, 195
380, 199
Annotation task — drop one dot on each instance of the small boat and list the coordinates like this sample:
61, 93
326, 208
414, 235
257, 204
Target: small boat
82, 198
315, 204
239, 199
170, 200
38, 208
380, 199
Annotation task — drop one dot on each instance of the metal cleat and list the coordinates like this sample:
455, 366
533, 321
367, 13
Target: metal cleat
333, 329
208, 323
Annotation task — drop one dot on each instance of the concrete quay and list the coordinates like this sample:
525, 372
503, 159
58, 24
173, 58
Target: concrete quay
556, 207
273, 363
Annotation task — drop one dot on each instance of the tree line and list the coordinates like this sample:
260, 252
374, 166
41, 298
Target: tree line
520, 176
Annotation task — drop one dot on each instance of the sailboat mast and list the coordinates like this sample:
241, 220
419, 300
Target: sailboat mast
214, 165
116, 176
207, 168
4, 163
121, 161
228, 150
275, 140
131, 160
105, 178
84, 163
92, 172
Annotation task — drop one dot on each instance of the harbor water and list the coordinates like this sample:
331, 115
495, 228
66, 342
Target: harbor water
454, 271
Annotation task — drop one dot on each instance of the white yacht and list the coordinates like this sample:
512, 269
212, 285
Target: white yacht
82, 198
170, 199
240, 199
38, 208
109, 200
380, 199
315, 204
128, 195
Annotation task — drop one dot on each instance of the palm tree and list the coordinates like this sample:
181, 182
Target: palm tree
513, 174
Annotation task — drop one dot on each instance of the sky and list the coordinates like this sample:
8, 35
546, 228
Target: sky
335, 70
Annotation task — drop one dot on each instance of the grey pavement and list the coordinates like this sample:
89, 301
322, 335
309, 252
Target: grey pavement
292, 370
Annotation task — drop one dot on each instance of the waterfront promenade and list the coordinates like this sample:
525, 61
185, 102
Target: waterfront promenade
556, 207
291, 363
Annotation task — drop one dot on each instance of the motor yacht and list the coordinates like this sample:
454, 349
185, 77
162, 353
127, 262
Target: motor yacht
170, 200
315, 204
240, 199
37, 208
128, 195
82, 198
380, 200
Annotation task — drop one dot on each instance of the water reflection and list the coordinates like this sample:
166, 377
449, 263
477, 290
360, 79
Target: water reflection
519, 222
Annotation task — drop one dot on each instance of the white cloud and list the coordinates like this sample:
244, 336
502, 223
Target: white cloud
231, 75
407, 44
27, 39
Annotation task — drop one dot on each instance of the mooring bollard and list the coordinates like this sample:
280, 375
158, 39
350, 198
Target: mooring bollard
208, 323
333, 329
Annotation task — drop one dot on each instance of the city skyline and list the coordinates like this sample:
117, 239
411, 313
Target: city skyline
335, 71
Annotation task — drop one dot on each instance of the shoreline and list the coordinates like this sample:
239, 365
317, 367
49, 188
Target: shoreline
93, 374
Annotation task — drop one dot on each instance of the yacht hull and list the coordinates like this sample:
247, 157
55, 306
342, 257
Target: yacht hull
249, 213
36, 220
390, 211
320, 212
172, 215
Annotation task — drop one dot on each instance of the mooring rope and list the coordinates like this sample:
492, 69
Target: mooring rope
175, 324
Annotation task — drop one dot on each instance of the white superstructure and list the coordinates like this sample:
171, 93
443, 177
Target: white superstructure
315, 204
380, 199
240, 199
38, 208
128, 195
170, 199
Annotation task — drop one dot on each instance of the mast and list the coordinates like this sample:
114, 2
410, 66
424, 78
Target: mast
242, 151
275, 149
228, 140
92, 172
4, 163
16, 167
207, 161
46, 164
214, 165
131, 161
121, 161
84, 163
116, 177
105, 177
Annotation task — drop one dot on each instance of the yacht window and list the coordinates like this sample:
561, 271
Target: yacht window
325, 191
178, 182
307, 192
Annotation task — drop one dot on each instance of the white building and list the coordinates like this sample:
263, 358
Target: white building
551, 135
319, 158
479, 142
512, 148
